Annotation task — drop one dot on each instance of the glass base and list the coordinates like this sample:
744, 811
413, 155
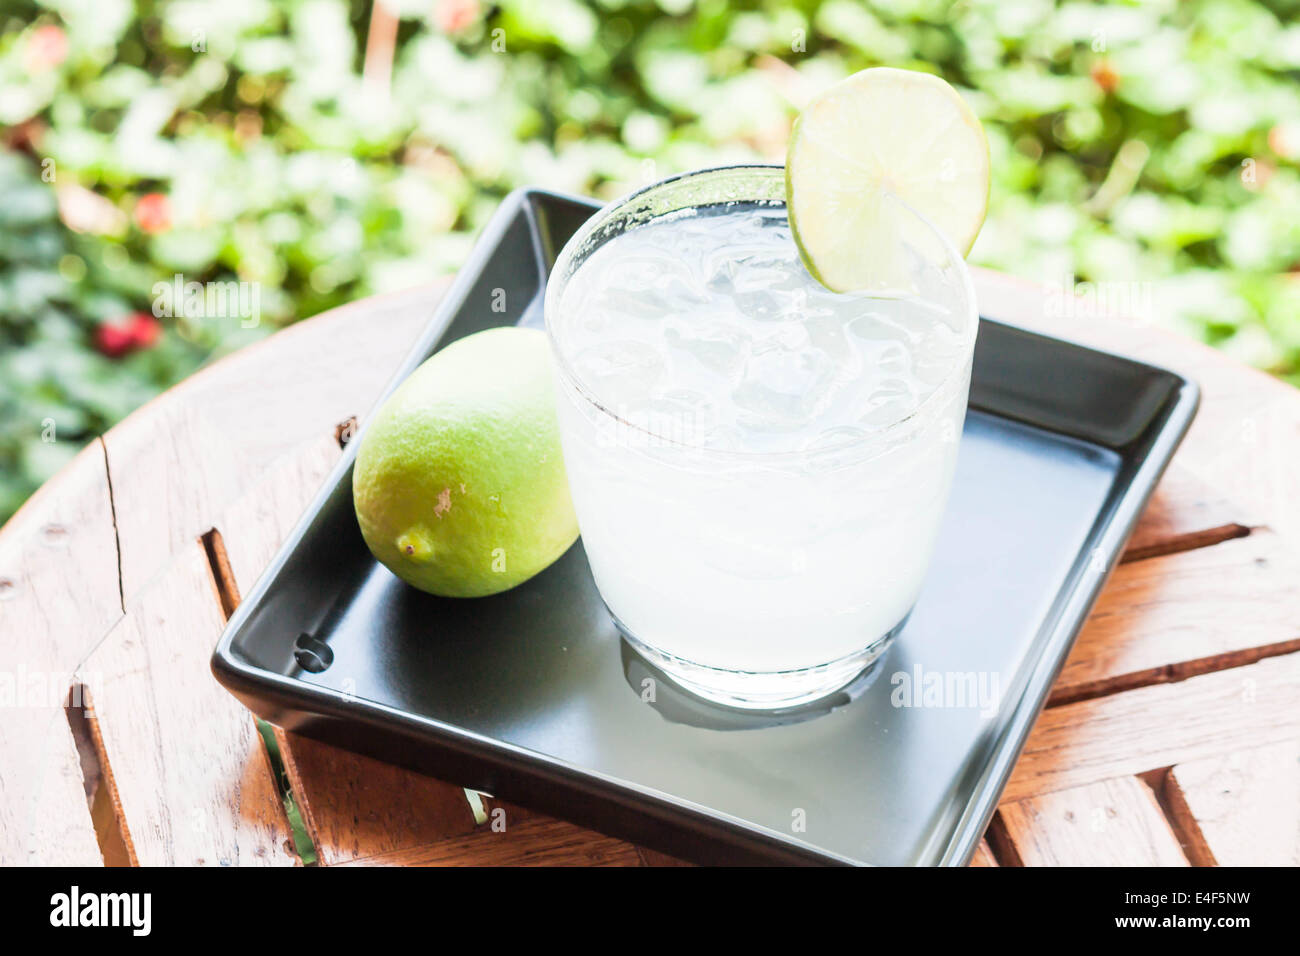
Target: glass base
762, 690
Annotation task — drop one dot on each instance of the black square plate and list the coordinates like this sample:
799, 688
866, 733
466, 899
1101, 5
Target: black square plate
532, 696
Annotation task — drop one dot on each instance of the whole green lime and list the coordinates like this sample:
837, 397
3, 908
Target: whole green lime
459, 484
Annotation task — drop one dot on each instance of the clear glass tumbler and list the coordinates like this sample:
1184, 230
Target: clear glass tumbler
759, 466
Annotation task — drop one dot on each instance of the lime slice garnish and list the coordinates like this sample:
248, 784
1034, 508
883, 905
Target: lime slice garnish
868, 150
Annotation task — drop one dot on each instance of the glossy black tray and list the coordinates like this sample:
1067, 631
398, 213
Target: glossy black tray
532, 696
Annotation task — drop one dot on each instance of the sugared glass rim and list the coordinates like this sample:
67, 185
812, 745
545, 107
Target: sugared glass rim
564, 268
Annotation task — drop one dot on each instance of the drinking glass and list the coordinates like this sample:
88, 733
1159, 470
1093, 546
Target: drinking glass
768, 570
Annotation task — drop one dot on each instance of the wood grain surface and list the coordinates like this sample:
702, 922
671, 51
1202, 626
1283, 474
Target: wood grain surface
58, 596
534, 842
1137, 731
1171, 735
1169, 617
184, 458
192, 779
1240, 808
1108, 823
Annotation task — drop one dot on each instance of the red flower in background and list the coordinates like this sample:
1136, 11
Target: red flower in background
139, 330
153, 213
144, 329
47, 48
452, 16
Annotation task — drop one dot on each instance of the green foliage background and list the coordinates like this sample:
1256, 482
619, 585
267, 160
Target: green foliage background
1152, 142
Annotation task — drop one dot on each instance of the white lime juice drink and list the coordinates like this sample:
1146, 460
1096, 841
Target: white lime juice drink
759, 465
762, 377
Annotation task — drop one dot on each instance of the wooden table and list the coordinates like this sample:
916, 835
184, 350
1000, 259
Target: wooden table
1172, 735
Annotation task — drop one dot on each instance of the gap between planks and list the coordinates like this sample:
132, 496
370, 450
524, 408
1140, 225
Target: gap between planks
1183, 514
1182, 823
227, 592
1166, 619
223, 579
100, 785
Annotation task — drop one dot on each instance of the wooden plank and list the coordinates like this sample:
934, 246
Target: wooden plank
1183, 514
357, 808
44, 817
1240, 808
1149, 728
352, 806
1108, 823
196, 783
536, 841
1170, 617
59, 590
254, 526
58, 595
185, 457
190, 774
